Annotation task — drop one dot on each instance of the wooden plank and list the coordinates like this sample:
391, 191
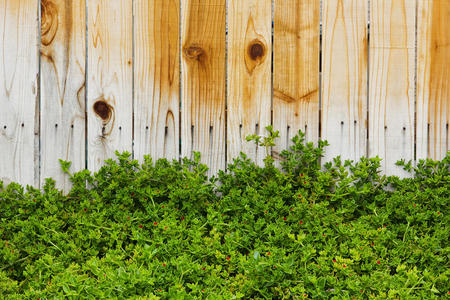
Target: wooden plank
19, 64
344, 78
62, 84
157, 78
203, 81
109, 91
391, 82
433, 78
249, 75
296, 69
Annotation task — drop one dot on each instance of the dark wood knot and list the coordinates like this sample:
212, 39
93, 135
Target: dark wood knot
255, 54
103, 110
256, 50
194, 52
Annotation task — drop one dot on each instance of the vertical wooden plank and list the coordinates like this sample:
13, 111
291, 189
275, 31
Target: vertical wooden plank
344, 78
19, 52
109, 100
433, 78
203, 81
391, 82
296, 69
62, 84
249, 75
157, 78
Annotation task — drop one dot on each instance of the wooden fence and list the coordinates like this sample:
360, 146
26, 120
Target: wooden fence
82, 78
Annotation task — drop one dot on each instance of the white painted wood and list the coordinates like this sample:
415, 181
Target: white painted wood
344, 78
391, 82
433, 78
62, 83
19, 52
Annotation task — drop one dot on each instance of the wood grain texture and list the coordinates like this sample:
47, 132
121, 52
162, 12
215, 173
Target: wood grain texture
63, 44
344, 78
296, 69
249, 75
109, 91
19, 54
391, 82
157, 78
203, 81
433, 78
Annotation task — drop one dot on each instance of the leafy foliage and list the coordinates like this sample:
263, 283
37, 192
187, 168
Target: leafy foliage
164, 230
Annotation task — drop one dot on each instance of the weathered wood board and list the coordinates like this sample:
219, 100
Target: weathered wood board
344, 78
162, 77
296, 69
157, 78
203, 81
248, 75
110, 79
433, 78
391, 82
19, 66
63, 56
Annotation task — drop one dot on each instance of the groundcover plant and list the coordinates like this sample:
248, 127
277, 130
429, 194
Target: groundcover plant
164, 230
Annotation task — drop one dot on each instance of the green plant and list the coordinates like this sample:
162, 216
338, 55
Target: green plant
164, 230
265, 141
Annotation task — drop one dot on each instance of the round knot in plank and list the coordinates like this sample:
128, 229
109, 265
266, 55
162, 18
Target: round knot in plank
256, 50
103, 110
194, 52
255, 54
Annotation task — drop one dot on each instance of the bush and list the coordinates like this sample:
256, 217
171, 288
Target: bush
165, 230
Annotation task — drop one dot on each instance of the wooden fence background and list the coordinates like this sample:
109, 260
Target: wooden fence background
82, 78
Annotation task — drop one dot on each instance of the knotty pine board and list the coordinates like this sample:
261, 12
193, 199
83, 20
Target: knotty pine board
249, 75
110, 79
203, 81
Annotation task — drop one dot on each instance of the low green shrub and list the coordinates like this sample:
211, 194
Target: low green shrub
164, 230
